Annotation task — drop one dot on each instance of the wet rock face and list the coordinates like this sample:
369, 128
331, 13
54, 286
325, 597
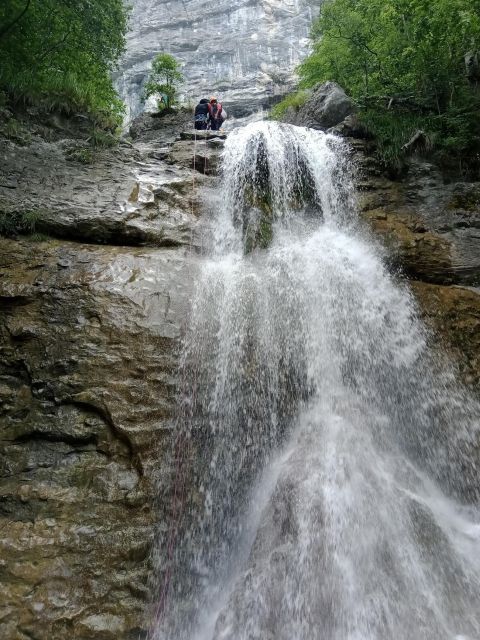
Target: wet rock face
87, 382
200, 153
90, 325
429, 224
454, 314
243, 51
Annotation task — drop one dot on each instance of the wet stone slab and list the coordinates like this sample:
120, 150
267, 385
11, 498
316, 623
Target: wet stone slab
89, 341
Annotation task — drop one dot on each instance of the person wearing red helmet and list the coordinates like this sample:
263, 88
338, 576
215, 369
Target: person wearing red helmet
216, 114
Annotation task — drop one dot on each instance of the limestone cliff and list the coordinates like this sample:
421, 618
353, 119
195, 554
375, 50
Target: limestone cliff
243, 51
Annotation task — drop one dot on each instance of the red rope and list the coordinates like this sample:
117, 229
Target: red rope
181, 453
182, 450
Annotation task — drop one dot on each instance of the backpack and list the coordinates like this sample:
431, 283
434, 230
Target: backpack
201, 112
215, 111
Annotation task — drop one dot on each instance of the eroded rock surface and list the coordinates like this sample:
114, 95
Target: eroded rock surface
89, 333
124, 196
87, 382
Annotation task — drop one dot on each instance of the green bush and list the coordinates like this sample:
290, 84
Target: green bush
163, 80
60, 53
292, 101
403, 61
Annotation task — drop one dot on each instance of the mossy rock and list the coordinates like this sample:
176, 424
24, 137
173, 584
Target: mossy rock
466, 197
257, 231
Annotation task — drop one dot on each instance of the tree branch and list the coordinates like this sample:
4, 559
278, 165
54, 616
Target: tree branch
8, 27
55, 46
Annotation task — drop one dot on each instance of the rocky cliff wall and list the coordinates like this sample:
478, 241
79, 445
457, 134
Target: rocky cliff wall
245, 51
91, 314
90, 322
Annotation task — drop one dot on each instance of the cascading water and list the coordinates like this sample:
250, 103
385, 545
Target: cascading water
331, 461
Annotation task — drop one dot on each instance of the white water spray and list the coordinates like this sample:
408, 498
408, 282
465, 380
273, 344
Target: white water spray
333, 479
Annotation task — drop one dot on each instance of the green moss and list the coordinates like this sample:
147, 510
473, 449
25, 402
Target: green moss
265, 234
18, 222
13, 130
292, 101
84, 155
468, 201
38, 237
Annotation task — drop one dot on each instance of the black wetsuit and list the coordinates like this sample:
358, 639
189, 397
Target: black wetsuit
201, 114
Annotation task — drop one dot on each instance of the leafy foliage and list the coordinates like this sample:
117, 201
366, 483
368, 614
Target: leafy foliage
60, 54
164, 77
404, 62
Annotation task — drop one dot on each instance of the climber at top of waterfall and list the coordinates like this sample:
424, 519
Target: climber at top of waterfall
202, 114
217, 114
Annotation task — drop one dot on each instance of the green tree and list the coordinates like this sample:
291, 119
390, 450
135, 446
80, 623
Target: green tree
163, 80
402, 59
61, 53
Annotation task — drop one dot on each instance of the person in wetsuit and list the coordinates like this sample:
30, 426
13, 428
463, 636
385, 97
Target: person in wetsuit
202, 115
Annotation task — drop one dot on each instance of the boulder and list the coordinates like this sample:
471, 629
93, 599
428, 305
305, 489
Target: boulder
327, 107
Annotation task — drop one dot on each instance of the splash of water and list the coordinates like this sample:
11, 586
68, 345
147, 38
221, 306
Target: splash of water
333, 471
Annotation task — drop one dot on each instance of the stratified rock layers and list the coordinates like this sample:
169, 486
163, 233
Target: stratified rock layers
89, 336
88, 358
87, 386
243, 51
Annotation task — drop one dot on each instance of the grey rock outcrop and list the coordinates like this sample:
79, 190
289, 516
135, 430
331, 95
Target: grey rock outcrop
122, 197
327, 107
244, 51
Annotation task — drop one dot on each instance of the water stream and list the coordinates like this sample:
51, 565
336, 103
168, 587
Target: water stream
329, 459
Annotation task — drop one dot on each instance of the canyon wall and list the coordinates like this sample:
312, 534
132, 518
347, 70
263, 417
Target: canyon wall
245, 52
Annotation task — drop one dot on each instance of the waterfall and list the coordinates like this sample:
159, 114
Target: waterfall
329, 456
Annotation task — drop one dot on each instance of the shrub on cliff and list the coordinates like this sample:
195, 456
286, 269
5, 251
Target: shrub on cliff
164, 77
292, 101
60, 54
410, 64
